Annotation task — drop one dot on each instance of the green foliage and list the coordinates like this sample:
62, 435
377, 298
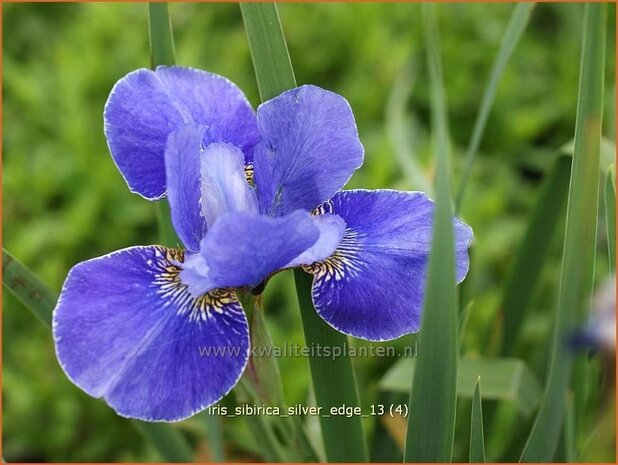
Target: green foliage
531, 256
477, 438
334, 382
433, 399
610, 215
517, 24
580, 237
504, 379
64, 200
28, 288
271, 60
342, 437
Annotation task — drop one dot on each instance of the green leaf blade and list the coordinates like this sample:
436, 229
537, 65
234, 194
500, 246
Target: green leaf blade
477, 438
515, 29
28, 288
334, 382
343, 437
580, 236
162, 52
433, 400
610, 216
530, 258
271, 60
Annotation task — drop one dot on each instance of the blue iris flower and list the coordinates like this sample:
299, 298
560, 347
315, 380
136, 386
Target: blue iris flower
250, 193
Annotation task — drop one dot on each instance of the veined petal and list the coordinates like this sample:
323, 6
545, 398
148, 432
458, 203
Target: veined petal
126, 329
243, 249
182, 167
373, 286
332, 229
224, 184
309, 149
145, 106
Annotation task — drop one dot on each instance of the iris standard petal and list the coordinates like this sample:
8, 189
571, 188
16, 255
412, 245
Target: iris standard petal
242, 249
126, 330
308, 151
182, 167
145, 106
372, 287
332, 229
224, 183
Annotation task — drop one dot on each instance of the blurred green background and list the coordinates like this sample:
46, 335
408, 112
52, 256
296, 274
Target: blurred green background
64, 201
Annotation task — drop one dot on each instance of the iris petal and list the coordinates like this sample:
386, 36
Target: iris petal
309, 149
243, 249
145, 106
224, 184
372, 287
332, 229
182, 166
126, 330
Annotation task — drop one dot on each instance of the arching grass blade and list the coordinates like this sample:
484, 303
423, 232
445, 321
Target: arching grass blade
580, 236
515, 29
433, 400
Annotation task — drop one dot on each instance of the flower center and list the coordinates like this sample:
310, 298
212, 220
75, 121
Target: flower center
172, 285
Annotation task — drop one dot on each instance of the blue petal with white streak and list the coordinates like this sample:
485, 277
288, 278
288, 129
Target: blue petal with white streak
373, 286
146, 106
243, 249
182, 166
224, 184
332, 229
127, 330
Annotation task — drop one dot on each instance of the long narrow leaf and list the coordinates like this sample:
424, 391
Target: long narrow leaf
160, 34
259, 425
343, 437
431, 424
610, 216
477, 438
28, 288
162, 53
271, 60
580, 235
515, 29
334, 382
40, 300
530, 257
